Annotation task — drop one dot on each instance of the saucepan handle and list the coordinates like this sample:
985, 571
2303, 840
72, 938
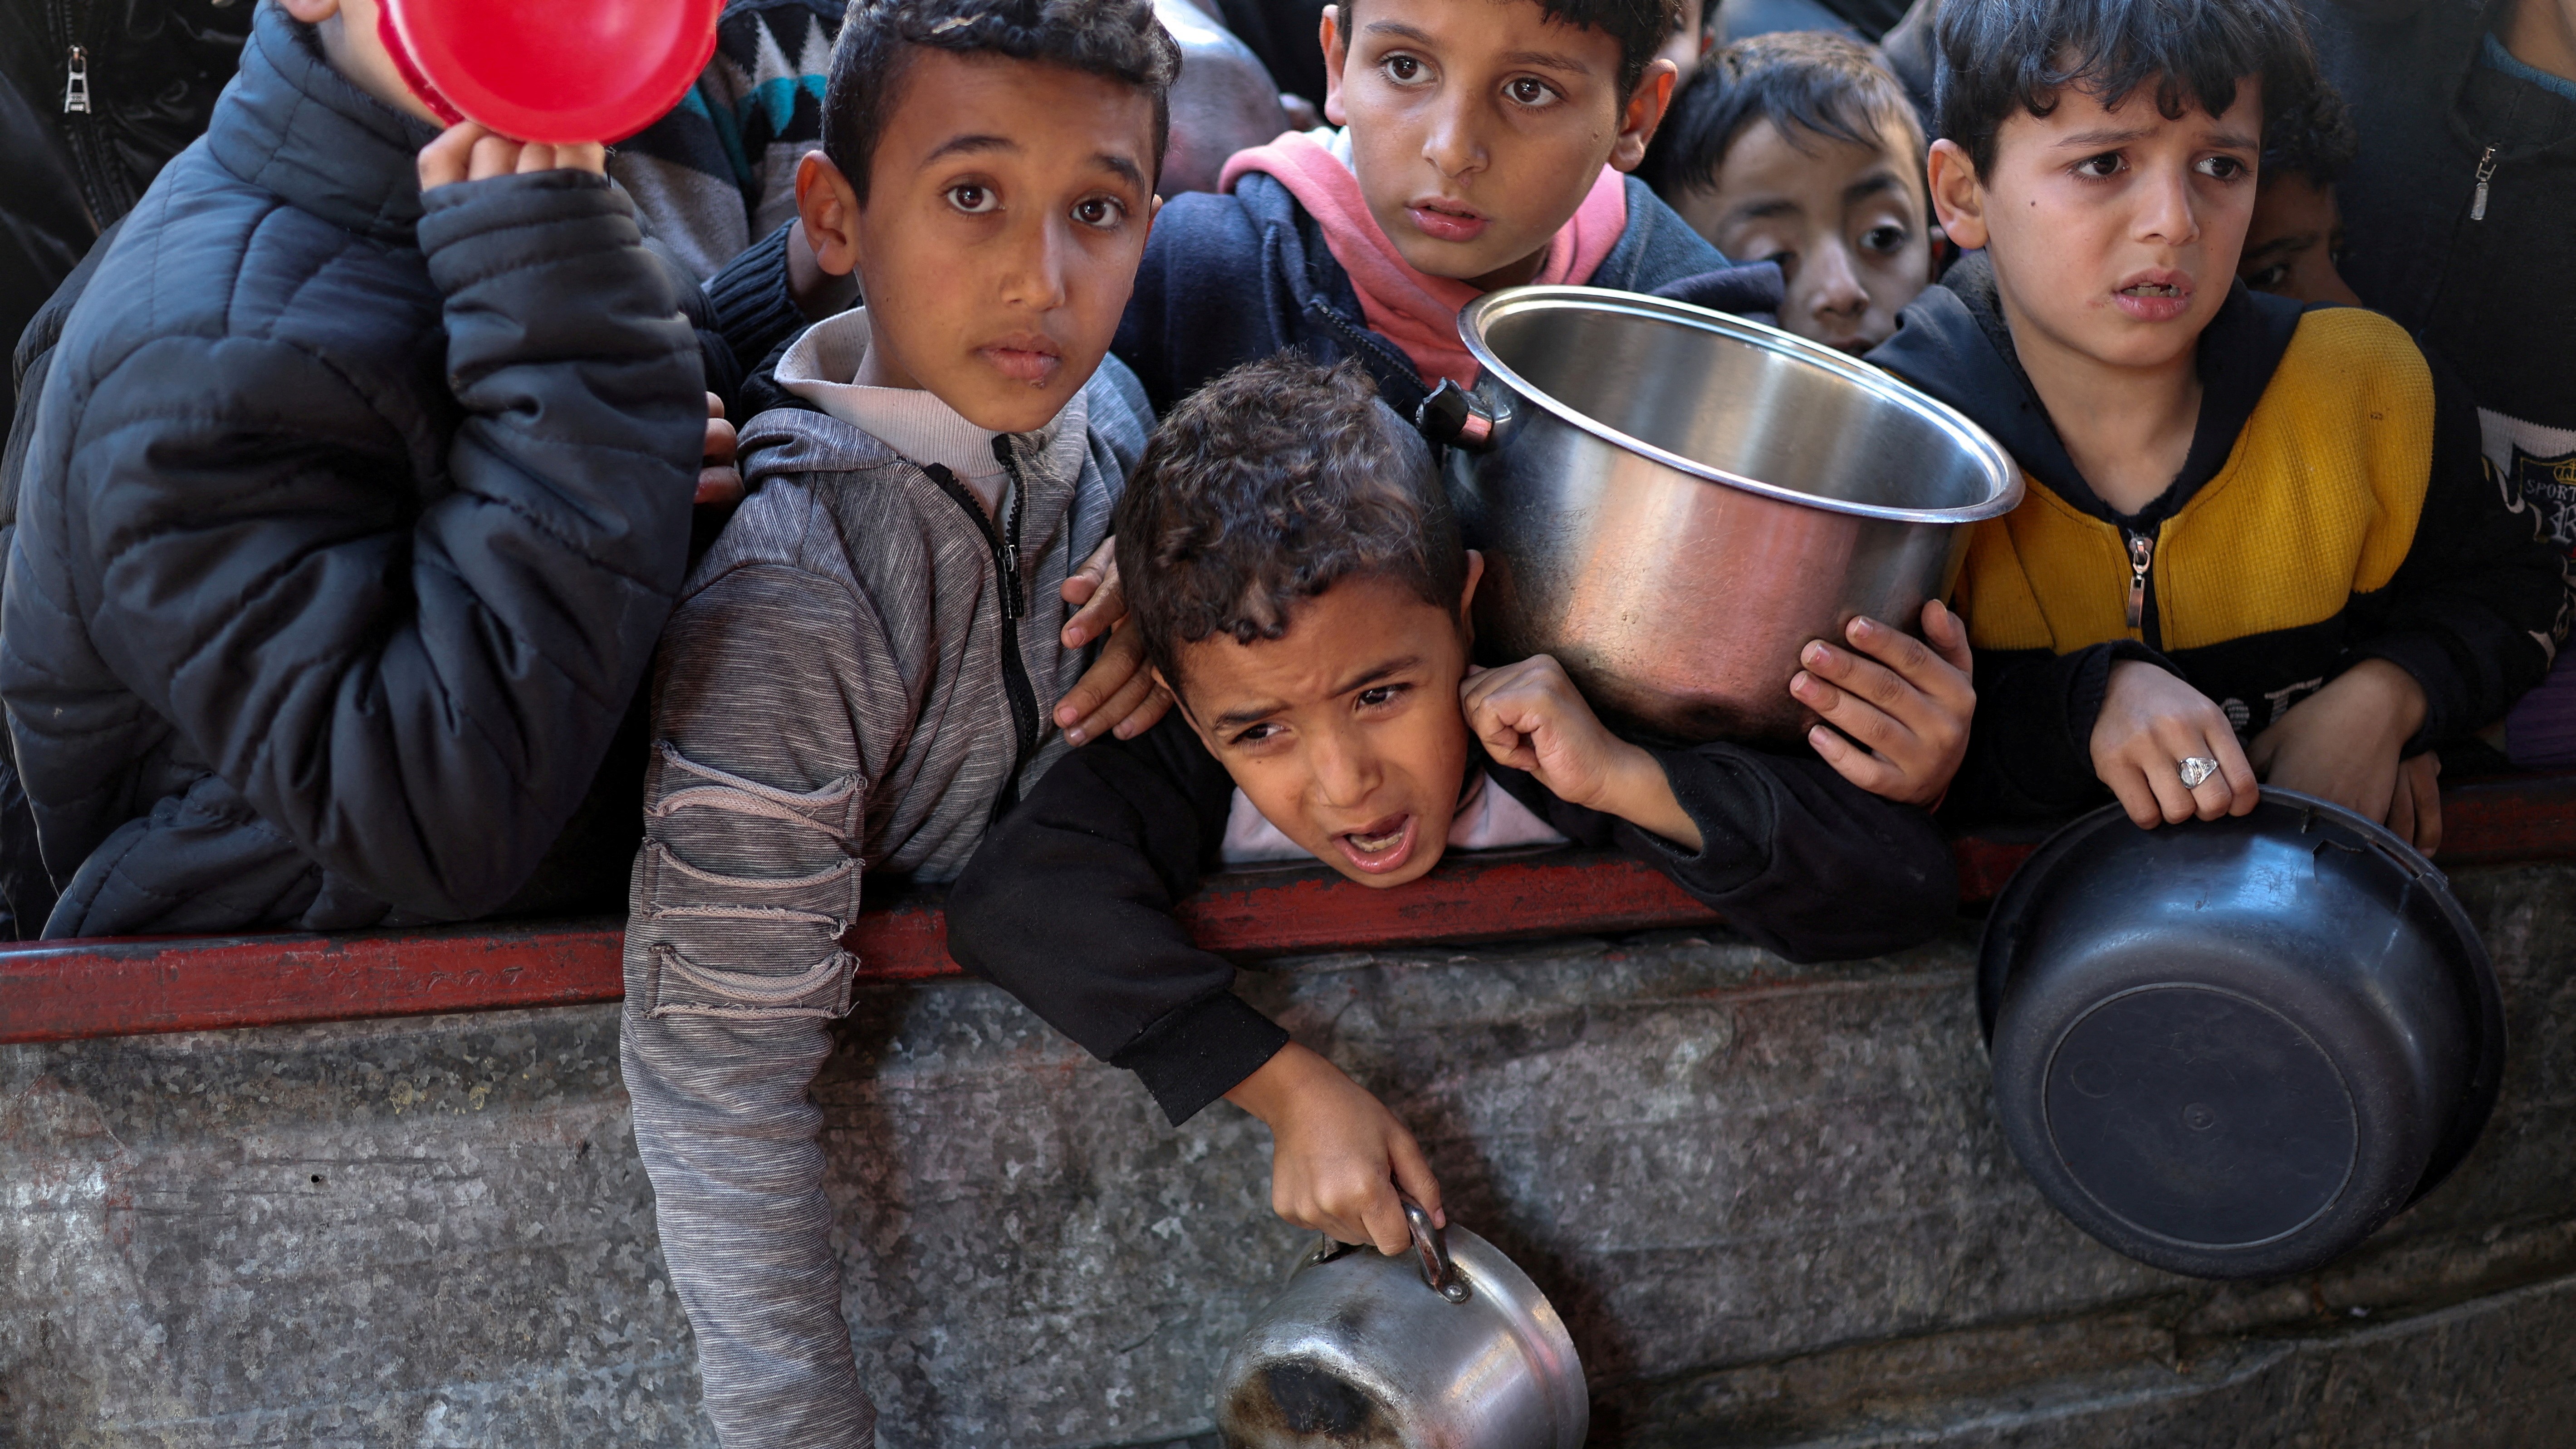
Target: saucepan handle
1440, 1274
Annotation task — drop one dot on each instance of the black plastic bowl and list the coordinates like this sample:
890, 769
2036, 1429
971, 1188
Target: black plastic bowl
2234, 1048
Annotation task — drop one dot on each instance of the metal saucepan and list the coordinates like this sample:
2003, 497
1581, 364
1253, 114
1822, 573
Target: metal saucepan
2234, 1048
1673, 501
1458, 1350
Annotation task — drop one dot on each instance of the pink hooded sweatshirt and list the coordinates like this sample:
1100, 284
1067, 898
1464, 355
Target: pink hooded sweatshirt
1415, 310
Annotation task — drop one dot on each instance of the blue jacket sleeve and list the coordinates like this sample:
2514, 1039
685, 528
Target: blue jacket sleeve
414, 682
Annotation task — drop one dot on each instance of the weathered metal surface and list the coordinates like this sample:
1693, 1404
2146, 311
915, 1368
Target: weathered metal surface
72, 990
1769, 1199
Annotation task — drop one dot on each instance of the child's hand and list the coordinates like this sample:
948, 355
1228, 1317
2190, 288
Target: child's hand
2150, 723
1530, 716
719, 481
1337, 1156
1117, 694
2341, 744
467, 152
1907, 705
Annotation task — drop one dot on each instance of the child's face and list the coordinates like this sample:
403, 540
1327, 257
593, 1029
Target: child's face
1478, 126
2114, 232
1007, 208
1345, 731
2293, 241
355, 48
1844, 221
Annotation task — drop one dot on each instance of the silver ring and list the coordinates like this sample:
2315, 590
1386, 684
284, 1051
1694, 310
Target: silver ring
2195, 769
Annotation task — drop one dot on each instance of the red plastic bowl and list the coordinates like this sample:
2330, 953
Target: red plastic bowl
552, 70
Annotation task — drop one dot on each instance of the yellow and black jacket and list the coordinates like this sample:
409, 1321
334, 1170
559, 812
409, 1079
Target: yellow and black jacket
2334, 507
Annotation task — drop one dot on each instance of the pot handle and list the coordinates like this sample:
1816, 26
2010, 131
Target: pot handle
1450, 415
1438, 1273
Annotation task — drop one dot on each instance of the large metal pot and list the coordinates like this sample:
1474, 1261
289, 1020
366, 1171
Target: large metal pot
1673, 501
2234, 1048
1453, 1348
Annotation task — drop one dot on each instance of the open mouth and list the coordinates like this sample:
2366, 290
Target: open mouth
1381, 845
2155, 299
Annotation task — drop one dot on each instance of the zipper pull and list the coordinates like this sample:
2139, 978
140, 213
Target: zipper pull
2142, 556
76, 85
1016, 606
2486, 172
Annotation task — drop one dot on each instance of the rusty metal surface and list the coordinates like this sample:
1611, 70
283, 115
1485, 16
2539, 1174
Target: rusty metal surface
72, 990
1770, 1201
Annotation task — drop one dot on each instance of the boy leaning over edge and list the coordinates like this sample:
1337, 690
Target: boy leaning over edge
1483, 145
1293, 564
851, 681
2245, 517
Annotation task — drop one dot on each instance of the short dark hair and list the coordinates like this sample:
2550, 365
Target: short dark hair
1269, 485
1999, 56
1118, 40
1640, 26
2317, 142
1814, 81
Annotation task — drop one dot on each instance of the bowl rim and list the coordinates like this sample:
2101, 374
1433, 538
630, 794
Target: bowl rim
2002, 471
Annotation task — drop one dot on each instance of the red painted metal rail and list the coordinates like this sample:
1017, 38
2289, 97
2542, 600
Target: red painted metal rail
57, 992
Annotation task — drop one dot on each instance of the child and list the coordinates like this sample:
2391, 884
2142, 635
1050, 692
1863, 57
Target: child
1800, 148
1483, 147
2244, 518
355, 498
2294, 241
1292, 562
850, 684
2464, 202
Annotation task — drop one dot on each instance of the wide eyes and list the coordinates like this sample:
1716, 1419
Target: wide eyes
1100, 213
2217, 168
1402, 69
1529, 91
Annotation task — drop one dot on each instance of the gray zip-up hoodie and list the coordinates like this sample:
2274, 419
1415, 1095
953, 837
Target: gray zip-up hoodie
849, 684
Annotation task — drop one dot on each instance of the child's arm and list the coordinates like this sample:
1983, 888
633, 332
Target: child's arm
1797, 857
755, 809
1068, 906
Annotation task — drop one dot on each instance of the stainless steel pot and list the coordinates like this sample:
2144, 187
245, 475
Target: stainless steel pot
1453, 1348
1673, 501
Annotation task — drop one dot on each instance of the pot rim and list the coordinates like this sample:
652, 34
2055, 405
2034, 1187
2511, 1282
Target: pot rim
2003, 475
1999, 960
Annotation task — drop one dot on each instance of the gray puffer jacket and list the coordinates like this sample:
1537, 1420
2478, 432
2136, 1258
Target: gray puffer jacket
851, 684
346, 527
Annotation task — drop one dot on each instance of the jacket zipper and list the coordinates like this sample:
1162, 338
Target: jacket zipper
2142, 604
2486, 173
80, 137
1005, 545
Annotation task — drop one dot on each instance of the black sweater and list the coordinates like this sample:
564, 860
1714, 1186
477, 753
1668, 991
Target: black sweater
1068, 903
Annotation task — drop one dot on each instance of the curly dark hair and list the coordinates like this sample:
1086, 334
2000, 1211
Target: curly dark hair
1814, 81
2318, 143
1640, 26
1119, 40
1269, 485
2000, 56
